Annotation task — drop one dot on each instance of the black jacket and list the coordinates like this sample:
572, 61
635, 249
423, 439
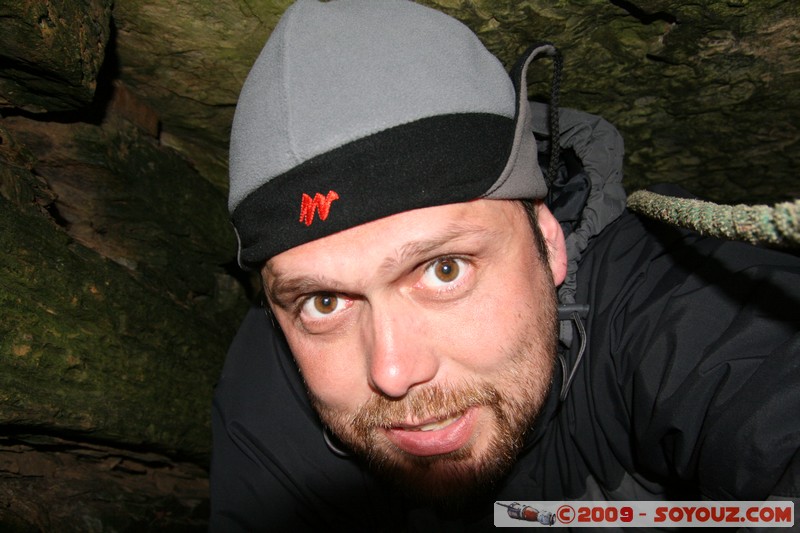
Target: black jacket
689, 388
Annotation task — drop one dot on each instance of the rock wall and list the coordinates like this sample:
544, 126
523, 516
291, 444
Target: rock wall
118, 285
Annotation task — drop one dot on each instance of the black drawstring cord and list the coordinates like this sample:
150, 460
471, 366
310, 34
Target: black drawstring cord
555, 145
574, 313
329, 442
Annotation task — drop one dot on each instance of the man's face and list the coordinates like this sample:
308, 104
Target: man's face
426, 339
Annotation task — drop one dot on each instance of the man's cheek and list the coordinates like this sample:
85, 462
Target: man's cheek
335, 383
320, 366
475, 342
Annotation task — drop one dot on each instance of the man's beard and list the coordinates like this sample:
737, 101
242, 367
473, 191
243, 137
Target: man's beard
514, 398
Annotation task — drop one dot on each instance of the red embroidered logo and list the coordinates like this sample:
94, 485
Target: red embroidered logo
309, 206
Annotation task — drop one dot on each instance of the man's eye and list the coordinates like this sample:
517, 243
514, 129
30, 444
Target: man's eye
322, 305
443, 272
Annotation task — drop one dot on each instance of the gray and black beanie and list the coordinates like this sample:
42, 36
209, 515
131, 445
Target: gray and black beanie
359, 109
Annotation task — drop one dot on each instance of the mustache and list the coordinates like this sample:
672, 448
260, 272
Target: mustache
432, 402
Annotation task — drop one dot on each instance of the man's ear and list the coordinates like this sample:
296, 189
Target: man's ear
554, 237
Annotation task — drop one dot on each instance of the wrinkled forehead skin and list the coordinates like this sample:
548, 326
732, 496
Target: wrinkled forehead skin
400, 236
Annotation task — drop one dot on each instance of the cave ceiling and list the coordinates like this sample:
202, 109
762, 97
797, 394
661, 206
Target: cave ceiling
119, 287
705, 94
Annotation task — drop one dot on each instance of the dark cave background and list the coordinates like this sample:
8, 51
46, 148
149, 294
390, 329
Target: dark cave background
118, 283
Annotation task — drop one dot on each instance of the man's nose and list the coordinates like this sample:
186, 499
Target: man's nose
401, 353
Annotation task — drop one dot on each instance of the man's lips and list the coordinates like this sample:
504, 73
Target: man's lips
434, 437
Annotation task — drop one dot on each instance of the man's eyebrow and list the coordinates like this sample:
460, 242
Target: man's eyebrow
283, 288
421, 249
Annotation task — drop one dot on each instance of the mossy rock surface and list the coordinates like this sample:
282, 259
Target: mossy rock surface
118, 285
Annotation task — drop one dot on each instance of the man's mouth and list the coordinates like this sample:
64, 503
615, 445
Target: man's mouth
432, 426
434, 437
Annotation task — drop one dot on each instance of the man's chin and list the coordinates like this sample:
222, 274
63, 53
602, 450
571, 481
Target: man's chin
449, 480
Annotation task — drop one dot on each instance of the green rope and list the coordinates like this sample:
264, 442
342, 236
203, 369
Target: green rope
757, 224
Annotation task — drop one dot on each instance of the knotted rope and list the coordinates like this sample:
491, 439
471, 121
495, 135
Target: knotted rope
778, 225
